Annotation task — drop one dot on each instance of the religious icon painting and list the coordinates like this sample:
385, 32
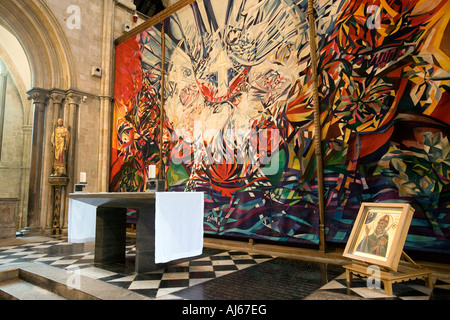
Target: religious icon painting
379, 234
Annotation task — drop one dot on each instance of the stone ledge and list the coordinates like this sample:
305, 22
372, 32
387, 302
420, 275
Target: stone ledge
127, 4
60, 282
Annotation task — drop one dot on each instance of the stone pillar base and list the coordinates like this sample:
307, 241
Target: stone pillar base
8, 207
32, 231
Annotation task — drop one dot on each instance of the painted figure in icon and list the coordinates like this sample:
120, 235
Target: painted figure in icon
377, 242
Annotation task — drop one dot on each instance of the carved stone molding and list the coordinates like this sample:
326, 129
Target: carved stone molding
38, 95
58, 97
106, 97
27, 129
127, 4
74, 98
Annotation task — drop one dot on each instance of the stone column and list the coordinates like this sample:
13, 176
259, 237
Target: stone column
104, 153
27, 131
57, 98
73, 104
104, 138
48, 189
40, 98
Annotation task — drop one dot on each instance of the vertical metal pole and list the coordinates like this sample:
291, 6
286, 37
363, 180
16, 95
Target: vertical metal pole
161, 113
317, 124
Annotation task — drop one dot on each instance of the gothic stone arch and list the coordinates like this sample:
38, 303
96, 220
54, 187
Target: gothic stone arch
54, 78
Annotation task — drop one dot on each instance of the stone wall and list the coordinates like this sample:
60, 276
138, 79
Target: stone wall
78, 38
12, 171
12, 146
8, 208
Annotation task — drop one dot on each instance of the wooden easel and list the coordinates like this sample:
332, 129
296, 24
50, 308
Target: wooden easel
407, 270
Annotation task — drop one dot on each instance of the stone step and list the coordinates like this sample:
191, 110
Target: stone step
39, 281
18, 289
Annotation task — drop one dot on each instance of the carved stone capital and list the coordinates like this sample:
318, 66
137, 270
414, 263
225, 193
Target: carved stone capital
58, 97
38, 95
106, 97
74, 98
27, 129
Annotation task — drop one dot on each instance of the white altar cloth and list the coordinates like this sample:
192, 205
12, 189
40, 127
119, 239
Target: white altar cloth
81, 223
178, 225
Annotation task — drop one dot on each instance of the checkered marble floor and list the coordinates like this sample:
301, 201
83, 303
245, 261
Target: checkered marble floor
158, 284
38, 252
214, 265
411, 290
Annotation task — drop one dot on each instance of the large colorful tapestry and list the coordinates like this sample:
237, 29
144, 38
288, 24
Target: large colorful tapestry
239, 123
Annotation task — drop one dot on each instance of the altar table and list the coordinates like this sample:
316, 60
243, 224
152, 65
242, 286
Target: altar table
165, 222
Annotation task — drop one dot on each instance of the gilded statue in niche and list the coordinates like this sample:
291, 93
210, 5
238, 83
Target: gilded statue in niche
60, 142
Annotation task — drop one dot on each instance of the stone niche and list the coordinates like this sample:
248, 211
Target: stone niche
8, 207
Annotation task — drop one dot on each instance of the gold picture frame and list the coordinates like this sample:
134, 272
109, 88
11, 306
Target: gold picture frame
379, 234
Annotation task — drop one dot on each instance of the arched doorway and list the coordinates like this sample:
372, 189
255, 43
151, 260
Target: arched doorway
50, 85
15, 127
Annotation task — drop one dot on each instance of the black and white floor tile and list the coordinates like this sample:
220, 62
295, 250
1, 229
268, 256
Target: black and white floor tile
216, 274
411, 290
157, 284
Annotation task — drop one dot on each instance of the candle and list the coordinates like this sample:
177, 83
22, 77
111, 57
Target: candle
152, 171
83, 177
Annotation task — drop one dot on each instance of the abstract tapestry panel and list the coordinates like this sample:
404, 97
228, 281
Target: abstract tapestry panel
384, 69
239, 122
